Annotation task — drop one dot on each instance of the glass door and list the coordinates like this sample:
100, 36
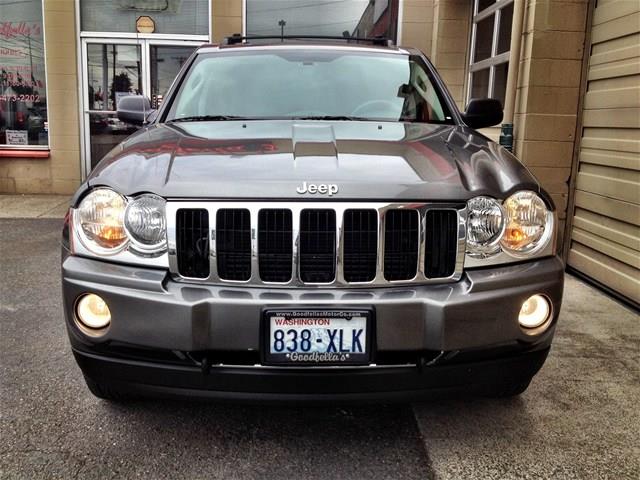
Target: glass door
114, 68
165, 61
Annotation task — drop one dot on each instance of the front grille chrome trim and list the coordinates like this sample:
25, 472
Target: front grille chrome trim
339, 207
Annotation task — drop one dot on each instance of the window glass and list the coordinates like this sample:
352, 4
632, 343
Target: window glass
504, 36
480, 84
500, 81
490, 46
23, 94
353, 18
170, 16
302, 84
483, 4
484, 39
113, 71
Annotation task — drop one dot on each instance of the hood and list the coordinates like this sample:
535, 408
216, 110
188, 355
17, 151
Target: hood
273, 159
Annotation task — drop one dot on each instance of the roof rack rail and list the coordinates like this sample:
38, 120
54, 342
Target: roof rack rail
237, 38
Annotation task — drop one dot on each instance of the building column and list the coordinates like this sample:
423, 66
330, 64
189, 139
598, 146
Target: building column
450, 44
546, 109
226, 19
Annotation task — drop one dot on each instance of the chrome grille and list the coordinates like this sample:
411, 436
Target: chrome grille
318, 244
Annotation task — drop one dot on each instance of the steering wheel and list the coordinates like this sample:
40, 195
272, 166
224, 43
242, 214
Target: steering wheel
374, 106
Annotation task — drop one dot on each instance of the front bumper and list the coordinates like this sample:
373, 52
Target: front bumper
309, 384
153, 313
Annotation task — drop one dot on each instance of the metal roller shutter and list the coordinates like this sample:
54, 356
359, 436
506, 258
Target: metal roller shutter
605, 235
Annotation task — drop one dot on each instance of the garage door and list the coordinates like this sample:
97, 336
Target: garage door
605, 238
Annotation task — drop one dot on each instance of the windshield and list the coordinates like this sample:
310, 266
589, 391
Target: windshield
309, 84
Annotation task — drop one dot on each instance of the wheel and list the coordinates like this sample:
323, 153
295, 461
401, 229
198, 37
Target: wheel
511, 390
107, 392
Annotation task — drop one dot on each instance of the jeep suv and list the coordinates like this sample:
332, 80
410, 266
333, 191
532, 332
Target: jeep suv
310, 221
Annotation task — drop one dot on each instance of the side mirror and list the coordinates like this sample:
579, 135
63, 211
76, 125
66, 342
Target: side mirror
134, 109
483, 112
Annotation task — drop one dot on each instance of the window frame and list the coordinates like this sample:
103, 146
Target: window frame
495, 59
146, 36
44, 148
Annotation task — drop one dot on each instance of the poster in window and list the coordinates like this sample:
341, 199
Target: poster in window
23, 105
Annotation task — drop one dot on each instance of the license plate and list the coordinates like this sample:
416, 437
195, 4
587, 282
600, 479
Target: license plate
301, 337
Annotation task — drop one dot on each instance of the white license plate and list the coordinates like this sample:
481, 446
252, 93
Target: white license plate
317, 337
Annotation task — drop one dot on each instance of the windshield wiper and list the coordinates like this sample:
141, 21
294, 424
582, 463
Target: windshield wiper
331, 117
206, 118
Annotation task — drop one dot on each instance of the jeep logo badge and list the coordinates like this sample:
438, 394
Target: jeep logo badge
321, 188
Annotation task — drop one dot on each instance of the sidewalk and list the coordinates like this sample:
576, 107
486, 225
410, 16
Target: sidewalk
33, 206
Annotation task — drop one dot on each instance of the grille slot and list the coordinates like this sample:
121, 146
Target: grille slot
192, 242
360, 247
233, 244
317, 245
441, 243
275, 245
401, 244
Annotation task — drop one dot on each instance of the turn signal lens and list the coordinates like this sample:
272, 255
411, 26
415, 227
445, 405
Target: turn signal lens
100, 219
527, 222
93, 312
535, 311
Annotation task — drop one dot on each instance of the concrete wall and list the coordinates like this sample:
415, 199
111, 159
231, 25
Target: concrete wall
60, 173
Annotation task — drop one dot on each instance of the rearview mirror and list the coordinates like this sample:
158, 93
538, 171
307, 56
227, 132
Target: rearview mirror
134, 109
483, 112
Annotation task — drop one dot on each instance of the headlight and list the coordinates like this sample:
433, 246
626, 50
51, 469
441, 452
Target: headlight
100, 221
144, 221
528, 224
485, 226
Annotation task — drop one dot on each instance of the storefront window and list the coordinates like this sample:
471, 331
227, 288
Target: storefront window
190, 17
23, 94
490, 45
355, 18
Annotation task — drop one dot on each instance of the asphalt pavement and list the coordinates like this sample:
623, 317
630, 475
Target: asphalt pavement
580, 417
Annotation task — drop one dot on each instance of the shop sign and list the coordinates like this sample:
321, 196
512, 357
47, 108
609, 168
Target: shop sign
145, 24
17, 137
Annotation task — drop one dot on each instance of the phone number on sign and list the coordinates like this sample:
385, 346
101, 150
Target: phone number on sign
19, 98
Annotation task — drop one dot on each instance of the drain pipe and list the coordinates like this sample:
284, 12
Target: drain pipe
506, 133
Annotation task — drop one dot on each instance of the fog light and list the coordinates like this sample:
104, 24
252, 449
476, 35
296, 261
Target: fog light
93, 312
535, 311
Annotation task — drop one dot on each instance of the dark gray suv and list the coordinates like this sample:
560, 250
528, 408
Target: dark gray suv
310, 221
